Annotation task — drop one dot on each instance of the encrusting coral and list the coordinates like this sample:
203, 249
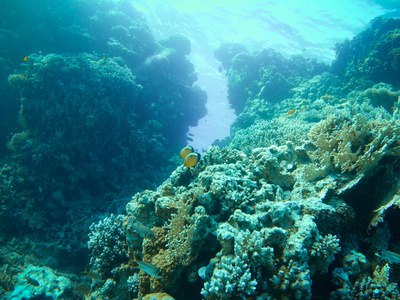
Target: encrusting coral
36, 282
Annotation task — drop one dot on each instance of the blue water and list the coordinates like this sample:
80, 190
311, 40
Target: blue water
308, 27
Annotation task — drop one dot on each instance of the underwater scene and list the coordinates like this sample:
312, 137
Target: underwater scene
203, 150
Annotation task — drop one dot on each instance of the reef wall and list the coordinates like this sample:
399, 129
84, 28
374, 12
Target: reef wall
93, 109
371, 55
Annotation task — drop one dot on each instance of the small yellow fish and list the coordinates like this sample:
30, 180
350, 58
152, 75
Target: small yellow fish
291, 112
104, 57
191, 159
149, 269
185, 151
26, 58
326, 96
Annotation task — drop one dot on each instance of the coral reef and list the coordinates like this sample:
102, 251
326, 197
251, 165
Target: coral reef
178, 42
234, 211
297, 206
309, 176
265, 75
65, 151
80, 132
227, 51
371, 55
366, 287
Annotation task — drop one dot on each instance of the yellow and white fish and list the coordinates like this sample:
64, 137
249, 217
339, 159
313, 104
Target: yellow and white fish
191, 159
186, 151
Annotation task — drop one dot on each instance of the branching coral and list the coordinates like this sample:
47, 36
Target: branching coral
324, 250
376, 287
354, 145
231, 278
107, 244
252, 248
293, 280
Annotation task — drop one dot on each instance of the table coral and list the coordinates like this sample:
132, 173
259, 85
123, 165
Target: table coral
382, 95
380, 212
